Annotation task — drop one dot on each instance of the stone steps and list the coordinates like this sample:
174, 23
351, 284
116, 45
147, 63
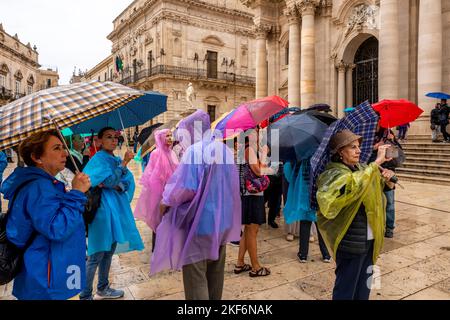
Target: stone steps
426, 162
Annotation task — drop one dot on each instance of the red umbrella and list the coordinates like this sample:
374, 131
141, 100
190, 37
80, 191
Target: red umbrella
396, 112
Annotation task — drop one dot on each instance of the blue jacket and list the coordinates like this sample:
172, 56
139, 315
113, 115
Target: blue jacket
54, 264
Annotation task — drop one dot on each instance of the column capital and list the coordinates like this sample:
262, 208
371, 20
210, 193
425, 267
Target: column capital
292, 15
307, 7
341, 66
261, 30
351, 66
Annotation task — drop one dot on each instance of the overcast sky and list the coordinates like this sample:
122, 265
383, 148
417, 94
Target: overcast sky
67, 33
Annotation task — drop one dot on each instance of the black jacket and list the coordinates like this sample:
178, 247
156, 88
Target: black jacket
70, 166
435, 116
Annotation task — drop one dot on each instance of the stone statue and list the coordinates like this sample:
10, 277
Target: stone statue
190, 94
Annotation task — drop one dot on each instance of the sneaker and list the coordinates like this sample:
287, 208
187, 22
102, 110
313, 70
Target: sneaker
273, 224
326, 260
389, 233
290, 237
235, 243
109, 293
301, 259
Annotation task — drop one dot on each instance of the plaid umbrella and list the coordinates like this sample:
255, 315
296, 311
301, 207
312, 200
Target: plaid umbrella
363, 121
67, 105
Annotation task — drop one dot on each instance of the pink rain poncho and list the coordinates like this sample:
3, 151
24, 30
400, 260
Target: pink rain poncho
163, 163
204, 200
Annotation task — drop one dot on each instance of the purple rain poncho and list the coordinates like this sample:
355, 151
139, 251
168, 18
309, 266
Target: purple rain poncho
204, 200
163, 162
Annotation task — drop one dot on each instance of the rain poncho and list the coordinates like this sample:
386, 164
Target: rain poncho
297, 206
163, 163
204, 201
341, 193
114, 221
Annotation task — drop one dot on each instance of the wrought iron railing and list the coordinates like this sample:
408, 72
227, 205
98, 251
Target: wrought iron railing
192, 73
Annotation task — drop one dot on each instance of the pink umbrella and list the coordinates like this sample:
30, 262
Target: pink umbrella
249, 114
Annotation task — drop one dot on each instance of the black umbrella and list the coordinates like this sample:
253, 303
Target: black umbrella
299, 136
146, 132
326, 118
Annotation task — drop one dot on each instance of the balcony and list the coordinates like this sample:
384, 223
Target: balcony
5, 94
190, 73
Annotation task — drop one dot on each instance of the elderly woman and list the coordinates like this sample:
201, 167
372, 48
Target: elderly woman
46, 221
353, 213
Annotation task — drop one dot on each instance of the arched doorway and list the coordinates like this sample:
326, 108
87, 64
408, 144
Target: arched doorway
365, 74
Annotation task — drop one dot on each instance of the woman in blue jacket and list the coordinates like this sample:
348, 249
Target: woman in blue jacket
48, 216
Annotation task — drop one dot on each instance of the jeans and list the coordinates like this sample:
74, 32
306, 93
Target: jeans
390, 209
203, 280
435, 132
402, 132
102, 260
353, 275
305, 230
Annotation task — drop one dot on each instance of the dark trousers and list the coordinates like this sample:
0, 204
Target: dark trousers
353, 275
273, 196
305, 230
153, 241
203, 280
402, 132
444, 131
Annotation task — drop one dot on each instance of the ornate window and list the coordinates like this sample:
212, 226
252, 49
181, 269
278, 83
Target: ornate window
365, 74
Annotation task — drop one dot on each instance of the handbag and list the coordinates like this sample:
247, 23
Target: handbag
254, 183
94, 196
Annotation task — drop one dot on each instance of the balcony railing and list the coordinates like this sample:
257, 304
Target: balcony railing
192, 73
7, 94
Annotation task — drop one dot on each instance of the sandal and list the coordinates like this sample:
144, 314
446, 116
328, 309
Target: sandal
259, 273
243, 268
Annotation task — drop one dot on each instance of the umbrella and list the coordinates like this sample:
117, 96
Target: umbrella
278, 116
326, 118
69, 106
320, 107
148, 144
438, 95
299, 136
396, 112
250, 114
146, 132
363, 121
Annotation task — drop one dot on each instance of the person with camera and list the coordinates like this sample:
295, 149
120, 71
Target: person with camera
46, 221
113, 225
352, 213
386, 136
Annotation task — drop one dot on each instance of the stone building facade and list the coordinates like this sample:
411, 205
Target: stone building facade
343, 52
19, 69
164, 45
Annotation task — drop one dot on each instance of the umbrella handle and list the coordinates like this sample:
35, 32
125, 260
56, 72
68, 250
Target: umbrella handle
65, 145
123, 129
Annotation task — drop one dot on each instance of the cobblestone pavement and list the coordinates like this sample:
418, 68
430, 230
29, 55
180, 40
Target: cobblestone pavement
415, 264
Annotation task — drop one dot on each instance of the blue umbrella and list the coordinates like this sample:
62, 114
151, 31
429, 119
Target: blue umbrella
133, 113
438, 95
362, 121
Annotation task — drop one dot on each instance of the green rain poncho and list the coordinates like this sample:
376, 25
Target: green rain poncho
338, 208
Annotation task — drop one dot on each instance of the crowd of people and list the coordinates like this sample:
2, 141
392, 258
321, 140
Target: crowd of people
439, 121
194, 205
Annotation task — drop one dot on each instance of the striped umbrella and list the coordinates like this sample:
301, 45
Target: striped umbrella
67, 106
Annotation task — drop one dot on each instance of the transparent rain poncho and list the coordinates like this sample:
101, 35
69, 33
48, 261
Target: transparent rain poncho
204, 201
341, 193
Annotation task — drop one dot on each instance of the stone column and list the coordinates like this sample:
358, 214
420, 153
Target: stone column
349, 84
261, 60
308, 53
429, 52
341, 67
389, 54
272, 63
294, 58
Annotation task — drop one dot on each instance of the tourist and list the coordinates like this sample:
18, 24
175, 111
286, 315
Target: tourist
163, 163
443, 121
46, 221
202, 212
113, 225
253, 210
435, 123
402, 130
272, 195
352, 214
297, 208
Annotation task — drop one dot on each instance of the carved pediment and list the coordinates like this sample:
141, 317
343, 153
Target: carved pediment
214, 40
18, 75
4, 69
30, 80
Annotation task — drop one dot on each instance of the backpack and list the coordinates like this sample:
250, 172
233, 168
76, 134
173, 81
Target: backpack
11, 256
94, 196
252, 182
